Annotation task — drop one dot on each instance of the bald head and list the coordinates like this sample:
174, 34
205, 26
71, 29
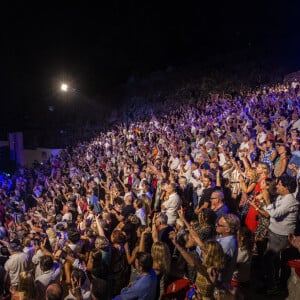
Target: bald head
54, 292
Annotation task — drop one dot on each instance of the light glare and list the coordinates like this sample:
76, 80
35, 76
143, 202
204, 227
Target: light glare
64, 87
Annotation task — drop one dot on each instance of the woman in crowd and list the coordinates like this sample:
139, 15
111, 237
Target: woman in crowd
26, 287
247, 184
263, 172
146, 246
161, 264
267, 196
213, 261
281, 162
207, 221
92, 172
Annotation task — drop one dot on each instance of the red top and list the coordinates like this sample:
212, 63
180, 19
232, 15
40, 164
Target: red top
296, 265
251, 220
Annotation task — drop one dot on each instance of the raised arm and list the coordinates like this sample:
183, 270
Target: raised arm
246, 188
188, 258
99, 227
245, 162
130, 257
192, 232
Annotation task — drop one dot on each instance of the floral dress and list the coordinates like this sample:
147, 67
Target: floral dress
262, 226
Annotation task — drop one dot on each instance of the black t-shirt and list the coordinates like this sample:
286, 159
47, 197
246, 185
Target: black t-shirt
186, 196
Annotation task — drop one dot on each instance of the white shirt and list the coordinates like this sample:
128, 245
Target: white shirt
67, 217
173, 163
222, 159
49, 276
195, 179
141, 214
188, 173
262, 136
16, 264
296, 125
140, 192
36, 261
172, 205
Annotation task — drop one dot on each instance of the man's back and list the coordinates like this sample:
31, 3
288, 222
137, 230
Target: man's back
143, 288
16, 264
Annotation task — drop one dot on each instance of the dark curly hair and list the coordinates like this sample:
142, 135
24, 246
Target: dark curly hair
209, 216
288, 182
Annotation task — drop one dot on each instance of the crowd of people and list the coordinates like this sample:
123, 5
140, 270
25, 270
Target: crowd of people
172, 207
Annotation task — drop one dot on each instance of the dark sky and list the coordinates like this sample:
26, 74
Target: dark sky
97, 47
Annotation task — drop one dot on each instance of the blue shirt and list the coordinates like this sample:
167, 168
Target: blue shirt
221, 211
230, 248
94, 200
143, 288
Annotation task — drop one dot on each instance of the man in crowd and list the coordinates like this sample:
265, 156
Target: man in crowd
283, 217
172, 205
144, 286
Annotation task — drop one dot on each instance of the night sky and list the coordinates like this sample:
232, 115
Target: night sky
98, 47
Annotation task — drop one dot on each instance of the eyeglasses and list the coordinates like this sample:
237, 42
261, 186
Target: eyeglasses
213, 198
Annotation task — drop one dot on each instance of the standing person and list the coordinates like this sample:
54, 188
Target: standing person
161, 230
227, 228
283, 217
251, 220
26, 288
135, 184
207, 220
268, 152
212, 257
50, 271
186, 191
218, 205
161, 264
94, 200
144, 286
140, 212
247, 184
294, 123
281, 162
119, 266
186, 166
16, 263
173, 161
172, 205
242, 274
204, 201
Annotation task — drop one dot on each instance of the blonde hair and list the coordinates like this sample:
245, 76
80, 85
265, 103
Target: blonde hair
265, 167
214, 255
51, 233
160, 253
103, 242
26, 285
252, 175
26, 242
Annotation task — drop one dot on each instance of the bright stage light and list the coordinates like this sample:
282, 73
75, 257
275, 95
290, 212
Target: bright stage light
64, 87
